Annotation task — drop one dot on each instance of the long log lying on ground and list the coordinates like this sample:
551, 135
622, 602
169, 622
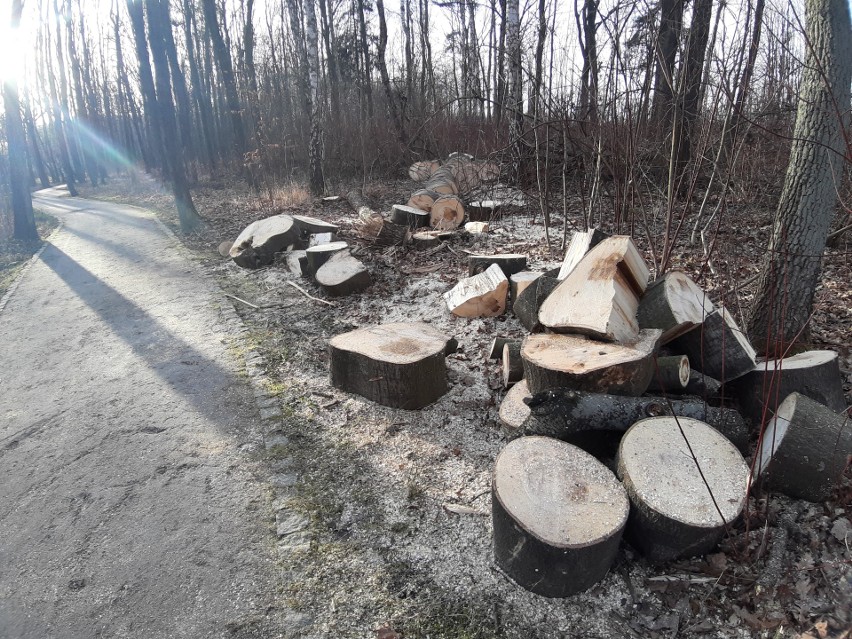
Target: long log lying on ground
258, 243
704, 491
581, 243
509, 263
558, 516
401, 365
671, 374
343, 274
357, 201
804, 449
422, 171
675, 304
513, 410
482, 295
569, 415
573, 361
717, 348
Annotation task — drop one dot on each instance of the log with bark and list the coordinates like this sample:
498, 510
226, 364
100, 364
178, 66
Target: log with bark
601, 294
581, 243
804, 449
558, 516
482, 295
423, 200
509, 263
686, 483
528, 303
426, 239
258, 243
312, 226
518, 282
446, 213
401, 365
483, 210
343, 274
513, 410
577, 362
671, 374
442, 182
513, 364
572, 415
316, 256
497, 344
409, 216
675, 304
422, 171
357, 201
717, 348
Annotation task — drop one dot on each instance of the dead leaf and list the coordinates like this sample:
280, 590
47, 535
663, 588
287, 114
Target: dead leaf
387, 632
822, 629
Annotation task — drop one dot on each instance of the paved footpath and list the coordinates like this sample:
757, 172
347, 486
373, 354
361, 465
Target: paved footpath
128, 507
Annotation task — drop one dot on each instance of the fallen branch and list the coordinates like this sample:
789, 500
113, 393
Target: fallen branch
234, 297
309, 296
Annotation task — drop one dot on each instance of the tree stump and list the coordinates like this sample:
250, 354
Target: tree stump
558, 516
675, 304
513, 411
313, 226
581, 243
483, 210
717, 348
316, 256
482, 295
678, 510
513, 364
409, 216
814, 374
401, 365
804, 450
342, 275
426, 239
422, 171
579, 363
509, 263
601, 294
671, 374
526, 306
257, 245
447, 213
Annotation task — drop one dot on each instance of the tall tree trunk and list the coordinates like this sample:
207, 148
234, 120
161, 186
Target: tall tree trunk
317, 181
146, 79
365, 56
383, 71
32, 136
539, 59
84, 126
327, 25
199, 96
251, 73
516, 89
59, 132
587, 26
782, 306
671, 22
500, 68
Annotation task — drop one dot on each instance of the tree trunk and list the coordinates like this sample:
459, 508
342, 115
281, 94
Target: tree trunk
782, 306
587, 25
383, 71
671, 21
516, 90
365, 56
201, 99
317, 181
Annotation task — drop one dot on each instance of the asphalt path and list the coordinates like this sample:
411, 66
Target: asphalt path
130, 503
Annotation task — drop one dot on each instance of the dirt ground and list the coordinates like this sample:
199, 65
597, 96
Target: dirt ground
400, 500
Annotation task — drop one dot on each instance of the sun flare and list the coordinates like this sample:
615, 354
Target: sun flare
11, 55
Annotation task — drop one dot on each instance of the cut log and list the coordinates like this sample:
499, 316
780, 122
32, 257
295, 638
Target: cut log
297, 263
400, 365
558, 516
358, 202
513, 365
316, 256
482, 295
601, 294
518, 282
313, 226
342, 275
571, 415
257, 245
513, 411
804, 450
579, 363
423, 200
441, 184
390, 234
447, 213
426, 239
225, 248
318, 239
581, 243
476, 228
671, 374
483, 210
675, 304
422, 171
814, 374
497, 344
409, 216
509, 263
679, 506
717, 348
526, 306
703, 386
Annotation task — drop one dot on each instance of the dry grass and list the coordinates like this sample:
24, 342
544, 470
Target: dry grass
291, 195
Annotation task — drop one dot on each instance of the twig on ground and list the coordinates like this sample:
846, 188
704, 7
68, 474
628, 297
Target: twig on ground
309, 296
239, 299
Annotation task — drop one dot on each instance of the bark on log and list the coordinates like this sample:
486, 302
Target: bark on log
447, 213
312, 225
675, 304
518, 282
703, 386
401, 365
717, 348
526, 306
426, 239
513, 411
343, 275
509, 263
482, 295
357, 202
671, 374
558, 516
601, 294
484, 210
814, 374
257, 245
513, 365
570, 415
497, 344
423, 200
441, 183
422, 171
581, 243
316, 256
409, 216
804, 450
686, 514
572, 361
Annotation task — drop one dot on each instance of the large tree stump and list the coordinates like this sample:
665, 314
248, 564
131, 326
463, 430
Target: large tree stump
601, 294
558, 516
528, 303
447, 213
814, 374
426, 239
717, 348
804, 450
482, 295
343, 275
316, 256
675, 304
671, 374
483, 210
572, 415
679, 506
422, 171
409, 216
400, 365
509, 263
573, 361
513, 411
257, 245
581, 243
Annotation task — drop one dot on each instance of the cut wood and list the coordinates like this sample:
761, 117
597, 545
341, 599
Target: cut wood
571, 415
519, 281
483, 210
426, 239
814, 374
671, 374
558, 516
409, 216
573, 361
225, 248
257, 245
400, 365
686, 482
513, 365
601, 294
509, 263
422, 171
482, 295
513, 411
581, 243
528, 303
497, 344
476, 228
316, 256
447, 213
381, 232
357, 201
717, 348
804, 450
318, 239
441, 184
312, 225
343, 274
297, 262
423, 200
675, 304
703, 386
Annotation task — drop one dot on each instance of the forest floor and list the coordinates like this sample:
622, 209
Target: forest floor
14, 254
400, 500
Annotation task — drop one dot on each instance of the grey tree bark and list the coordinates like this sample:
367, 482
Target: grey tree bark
317, 180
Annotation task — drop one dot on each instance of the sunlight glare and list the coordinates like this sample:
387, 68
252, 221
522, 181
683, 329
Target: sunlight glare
11, 55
